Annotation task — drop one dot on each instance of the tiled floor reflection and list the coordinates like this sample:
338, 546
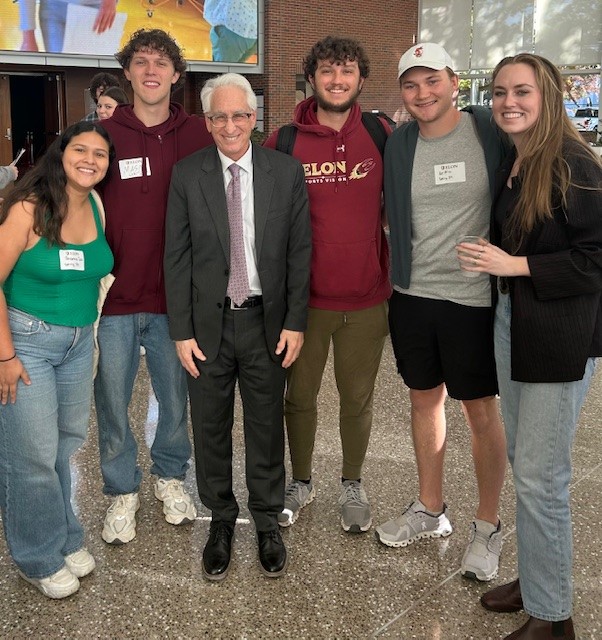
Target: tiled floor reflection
338, 586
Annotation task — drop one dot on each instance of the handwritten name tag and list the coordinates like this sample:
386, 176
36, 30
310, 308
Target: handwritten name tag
132, 168
448, 173
71, 260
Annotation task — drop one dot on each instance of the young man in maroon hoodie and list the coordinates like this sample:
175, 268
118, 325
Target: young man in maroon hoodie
349, 273
150, 136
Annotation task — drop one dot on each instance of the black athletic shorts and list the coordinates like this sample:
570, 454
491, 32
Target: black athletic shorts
437, 341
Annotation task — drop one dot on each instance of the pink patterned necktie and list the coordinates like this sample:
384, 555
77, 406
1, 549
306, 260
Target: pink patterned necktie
238, 284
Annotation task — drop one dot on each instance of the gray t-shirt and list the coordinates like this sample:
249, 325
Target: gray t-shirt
450, 199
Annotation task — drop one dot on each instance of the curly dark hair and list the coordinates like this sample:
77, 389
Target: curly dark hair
44, 185
153, 40
336, 50
104, 80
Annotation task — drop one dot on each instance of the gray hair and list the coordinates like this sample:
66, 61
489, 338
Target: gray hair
227, 80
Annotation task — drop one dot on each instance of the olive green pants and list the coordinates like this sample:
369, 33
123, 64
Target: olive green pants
358, 338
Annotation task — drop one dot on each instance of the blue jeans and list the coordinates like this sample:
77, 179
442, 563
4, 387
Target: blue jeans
119, 340
38, 434
540, 420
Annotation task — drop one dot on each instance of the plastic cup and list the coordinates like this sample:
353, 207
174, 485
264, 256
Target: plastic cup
472, 240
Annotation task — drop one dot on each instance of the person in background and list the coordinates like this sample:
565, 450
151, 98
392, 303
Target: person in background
546, 248
349, 274
238, 245
7, 175
108, 100
98, 85
233, 31
150, 136
439, 175
53, 254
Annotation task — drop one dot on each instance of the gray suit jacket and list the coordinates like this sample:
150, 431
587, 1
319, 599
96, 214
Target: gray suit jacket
197, 246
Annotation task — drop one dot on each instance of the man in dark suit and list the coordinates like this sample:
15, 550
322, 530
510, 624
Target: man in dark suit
237, 260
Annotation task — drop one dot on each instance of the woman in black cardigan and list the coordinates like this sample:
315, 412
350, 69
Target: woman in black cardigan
547, 251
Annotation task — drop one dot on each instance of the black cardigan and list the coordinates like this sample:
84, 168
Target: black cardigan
556, 320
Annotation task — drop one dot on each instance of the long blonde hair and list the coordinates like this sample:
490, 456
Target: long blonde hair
544, 173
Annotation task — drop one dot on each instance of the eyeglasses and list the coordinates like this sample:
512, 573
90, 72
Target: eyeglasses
221, 119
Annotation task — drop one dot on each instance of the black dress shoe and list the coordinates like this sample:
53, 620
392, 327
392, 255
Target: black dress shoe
536, 629
503, 599
218, 551
272, 553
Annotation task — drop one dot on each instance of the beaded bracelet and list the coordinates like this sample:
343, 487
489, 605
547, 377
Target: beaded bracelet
11, 358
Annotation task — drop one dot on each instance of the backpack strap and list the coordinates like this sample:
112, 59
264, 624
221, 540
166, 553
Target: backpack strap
376, 129
287, 134
286, 139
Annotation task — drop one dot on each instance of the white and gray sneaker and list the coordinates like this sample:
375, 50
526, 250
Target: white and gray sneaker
414, 523
120, 521
482, 556
296, 496
178, 507
59, 585
80, 562
355, 508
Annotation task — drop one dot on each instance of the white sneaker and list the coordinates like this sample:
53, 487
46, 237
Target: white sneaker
482, 556
120, 521
178, 506
414, 523
59, 585
80, 562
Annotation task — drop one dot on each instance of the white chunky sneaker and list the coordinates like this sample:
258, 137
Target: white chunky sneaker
178, 507
80, 562
59, 585
120, 521
414, 523
482, 556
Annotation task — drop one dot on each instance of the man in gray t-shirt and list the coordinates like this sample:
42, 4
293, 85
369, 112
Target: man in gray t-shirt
438, 178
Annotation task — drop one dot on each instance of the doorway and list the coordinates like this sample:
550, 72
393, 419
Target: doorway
31, 115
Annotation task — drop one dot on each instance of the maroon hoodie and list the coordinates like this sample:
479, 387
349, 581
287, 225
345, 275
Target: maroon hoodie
344, 178
135, 199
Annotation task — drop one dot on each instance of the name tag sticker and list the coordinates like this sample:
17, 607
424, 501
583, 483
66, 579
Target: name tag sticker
71, 260
448, 173
130, 168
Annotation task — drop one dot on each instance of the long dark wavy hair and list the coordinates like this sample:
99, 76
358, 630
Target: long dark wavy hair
45, 185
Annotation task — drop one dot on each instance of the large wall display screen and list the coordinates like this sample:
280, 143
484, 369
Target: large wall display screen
213, 32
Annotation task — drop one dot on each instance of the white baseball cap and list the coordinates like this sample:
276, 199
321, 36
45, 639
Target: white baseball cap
424, 54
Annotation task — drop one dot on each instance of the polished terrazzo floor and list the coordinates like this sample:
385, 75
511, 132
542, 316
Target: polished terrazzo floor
338, 586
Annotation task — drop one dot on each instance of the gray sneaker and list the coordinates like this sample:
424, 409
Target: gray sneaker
414, 523
482, 556
355, 509
296, 496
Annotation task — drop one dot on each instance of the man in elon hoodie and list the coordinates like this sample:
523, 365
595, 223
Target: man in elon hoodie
150, 136
349, 280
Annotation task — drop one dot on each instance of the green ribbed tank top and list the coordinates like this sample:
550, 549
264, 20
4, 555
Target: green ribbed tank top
60, 284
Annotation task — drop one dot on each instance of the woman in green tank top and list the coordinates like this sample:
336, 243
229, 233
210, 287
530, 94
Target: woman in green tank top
53, 254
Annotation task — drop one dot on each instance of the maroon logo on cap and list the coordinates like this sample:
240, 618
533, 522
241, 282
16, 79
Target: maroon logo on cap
418, 51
